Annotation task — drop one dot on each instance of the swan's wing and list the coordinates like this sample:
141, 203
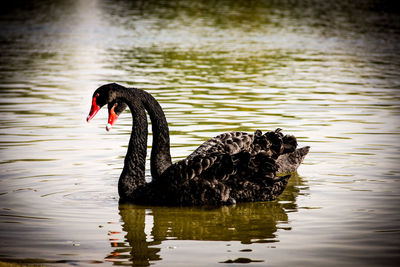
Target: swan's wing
221, 178
231, 142
258, 181
197, 181
273, 142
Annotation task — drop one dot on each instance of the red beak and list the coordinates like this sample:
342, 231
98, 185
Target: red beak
93, 110
112, 117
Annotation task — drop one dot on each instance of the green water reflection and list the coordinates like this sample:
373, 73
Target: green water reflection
247, 223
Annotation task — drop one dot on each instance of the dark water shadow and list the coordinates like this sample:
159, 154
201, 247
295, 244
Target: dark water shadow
247, 223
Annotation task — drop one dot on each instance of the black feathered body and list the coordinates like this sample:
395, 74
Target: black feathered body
217, 178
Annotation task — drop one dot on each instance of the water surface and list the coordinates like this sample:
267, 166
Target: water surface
326, 72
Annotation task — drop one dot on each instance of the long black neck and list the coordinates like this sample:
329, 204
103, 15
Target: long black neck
160, 151
133, 173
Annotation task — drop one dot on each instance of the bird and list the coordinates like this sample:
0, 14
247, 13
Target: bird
229, 168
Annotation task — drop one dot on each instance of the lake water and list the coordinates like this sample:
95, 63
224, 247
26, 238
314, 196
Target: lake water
328, 73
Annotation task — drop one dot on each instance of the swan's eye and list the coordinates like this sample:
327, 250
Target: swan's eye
94, 109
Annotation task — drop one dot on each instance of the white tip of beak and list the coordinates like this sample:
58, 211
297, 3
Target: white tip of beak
108, 127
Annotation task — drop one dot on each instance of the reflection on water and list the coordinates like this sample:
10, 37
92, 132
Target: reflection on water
326, 71
147, 228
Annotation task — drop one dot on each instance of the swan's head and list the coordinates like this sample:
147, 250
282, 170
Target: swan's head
115, 108
106, 94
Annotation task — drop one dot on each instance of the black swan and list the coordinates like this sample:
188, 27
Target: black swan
229, 168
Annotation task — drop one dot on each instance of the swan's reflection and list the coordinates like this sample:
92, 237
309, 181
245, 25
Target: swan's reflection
148, 227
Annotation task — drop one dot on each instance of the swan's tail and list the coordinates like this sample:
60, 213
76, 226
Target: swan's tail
291, 161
